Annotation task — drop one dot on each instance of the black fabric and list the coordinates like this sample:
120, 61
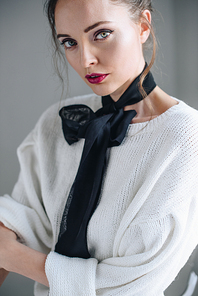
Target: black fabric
104, 128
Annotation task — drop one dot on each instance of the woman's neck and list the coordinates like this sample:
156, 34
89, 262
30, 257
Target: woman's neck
156, 103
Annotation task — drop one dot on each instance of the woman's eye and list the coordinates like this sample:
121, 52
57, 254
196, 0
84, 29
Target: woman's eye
103, 35
68, 43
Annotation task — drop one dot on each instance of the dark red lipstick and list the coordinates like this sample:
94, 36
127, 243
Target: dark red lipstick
95, 77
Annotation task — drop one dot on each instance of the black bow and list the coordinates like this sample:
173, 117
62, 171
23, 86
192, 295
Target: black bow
79, 121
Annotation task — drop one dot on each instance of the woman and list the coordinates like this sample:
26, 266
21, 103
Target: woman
122, 219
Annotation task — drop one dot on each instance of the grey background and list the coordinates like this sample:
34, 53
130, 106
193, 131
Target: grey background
28, 85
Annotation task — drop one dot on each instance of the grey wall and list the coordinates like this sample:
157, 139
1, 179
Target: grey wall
28, 86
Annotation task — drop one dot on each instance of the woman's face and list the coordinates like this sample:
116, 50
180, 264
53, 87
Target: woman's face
100, 40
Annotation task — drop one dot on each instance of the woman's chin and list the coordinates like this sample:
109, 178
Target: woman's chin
100, 90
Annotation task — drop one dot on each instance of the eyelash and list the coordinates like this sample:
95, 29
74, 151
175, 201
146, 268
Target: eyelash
63, 43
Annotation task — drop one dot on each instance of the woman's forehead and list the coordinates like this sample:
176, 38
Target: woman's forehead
87, 12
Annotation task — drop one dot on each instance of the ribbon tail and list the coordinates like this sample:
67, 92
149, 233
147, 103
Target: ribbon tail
83, 197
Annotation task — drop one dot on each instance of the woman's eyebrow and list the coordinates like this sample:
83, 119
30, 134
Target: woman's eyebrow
95, 25
63, 35
87, 29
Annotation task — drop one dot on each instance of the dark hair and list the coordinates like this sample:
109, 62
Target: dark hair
135, 8
58, 56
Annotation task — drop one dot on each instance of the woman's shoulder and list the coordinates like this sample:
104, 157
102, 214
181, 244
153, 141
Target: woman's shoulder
182, 125
184, 117
184, 109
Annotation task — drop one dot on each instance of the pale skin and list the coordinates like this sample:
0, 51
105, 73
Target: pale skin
102, 39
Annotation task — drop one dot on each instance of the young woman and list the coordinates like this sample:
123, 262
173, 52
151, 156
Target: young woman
112, 209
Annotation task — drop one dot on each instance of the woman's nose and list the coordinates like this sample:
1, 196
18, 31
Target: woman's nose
88, 57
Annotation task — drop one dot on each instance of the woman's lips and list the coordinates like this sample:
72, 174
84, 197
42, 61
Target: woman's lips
95, 78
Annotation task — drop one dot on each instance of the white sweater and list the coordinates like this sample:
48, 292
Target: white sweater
145, 226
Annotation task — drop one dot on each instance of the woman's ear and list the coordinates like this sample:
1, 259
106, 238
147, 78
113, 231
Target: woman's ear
145, 23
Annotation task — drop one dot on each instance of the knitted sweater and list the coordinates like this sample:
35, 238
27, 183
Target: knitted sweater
145, 225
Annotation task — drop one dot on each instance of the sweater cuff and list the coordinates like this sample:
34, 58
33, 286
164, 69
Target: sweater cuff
70, 276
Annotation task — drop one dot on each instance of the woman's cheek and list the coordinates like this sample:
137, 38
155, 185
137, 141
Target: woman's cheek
113, 53
74, 62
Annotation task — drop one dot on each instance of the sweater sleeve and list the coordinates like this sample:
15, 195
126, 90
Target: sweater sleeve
23, 211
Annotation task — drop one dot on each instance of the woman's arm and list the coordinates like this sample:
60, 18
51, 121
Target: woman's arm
8, 234
149, 257
143, 272
24, 214
20, 259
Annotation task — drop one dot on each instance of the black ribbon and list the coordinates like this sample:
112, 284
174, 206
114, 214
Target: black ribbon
104, 128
